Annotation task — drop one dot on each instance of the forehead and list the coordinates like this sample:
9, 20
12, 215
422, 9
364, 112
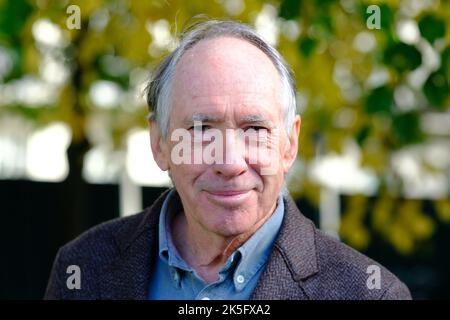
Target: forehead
241, 108
225, 73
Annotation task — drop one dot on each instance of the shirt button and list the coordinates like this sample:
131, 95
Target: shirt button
206, 298
240, 278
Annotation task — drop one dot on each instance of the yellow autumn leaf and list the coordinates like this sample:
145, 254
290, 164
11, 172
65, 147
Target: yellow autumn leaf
443, 210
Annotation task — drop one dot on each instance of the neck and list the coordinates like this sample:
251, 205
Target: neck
203, 250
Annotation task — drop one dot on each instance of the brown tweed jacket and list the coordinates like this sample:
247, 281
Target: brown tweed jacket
116, 259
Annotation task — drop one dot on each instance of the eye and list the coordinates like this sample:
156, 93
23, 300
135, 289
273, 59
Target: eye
256, 128
201, 128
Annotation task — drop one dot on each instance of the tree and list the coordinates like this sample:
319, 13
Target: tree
367, 88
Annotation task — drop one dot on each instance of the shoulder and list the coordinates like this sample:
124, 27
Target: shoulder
91, 252
345, 273
323, 267
102, 242
95, 251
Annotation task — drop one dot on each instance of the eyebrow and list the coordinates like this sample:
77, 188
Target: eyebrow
201, 117
251, 118
256, 119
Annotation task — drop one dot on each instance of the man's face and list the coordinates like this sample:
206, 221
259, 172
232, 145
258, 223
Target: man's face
228, 84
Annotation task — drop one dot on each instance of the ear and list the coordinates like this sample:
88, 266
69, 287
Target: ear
291, 147
159, 146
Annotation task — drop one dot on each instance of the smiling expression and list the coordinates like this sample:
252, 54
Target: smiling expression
228, 83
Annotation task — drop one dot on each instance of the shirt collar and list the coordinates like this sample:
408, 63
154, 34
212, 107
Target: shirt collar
167, 250
246, 261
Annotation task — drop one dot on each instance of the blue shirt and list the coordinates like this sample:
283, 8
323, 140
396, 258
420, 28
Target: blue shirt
174, 279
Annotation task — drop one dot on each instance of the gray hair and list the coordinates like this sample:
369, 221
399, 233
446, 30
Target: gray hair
160, 85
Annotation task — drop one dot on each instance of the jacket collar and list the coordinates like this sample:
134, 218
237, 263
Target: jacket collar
128, 276
297, 242
292, 261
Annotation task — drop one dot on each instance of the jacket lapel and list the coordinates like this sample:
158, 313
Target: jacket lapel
293, 258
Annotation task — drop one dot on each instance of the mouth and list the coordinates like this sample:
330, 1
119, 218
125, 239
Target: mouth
228, 197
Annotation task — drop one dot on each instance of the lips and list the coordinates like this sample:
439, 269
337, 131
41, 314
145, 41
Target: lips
228, 198
227, 193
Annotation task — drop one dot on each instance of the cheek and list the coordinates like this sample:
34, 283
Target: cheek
266, 158
186, 175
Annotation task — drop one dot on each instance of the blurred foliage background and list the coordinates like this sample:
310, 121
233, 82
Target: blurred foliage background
374, 100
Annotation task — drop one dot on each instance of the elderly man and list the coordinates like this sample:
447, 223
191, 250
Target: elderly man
228, 229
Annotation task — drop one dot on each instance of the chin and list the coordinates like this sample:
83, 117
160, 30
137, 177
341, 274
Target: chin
229, 232
230, 222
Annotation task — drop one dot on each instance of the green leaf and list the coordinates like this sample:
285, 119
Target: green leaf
445, 60
290, 9
324, 24
436, 89
324, 3
406, 128
432, 27
16, 54
362, 135
402, 57
380, 100
306, 45
13, 16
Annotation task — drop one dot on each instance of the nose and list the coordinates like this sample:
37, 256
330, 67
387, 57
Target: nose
234, 162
